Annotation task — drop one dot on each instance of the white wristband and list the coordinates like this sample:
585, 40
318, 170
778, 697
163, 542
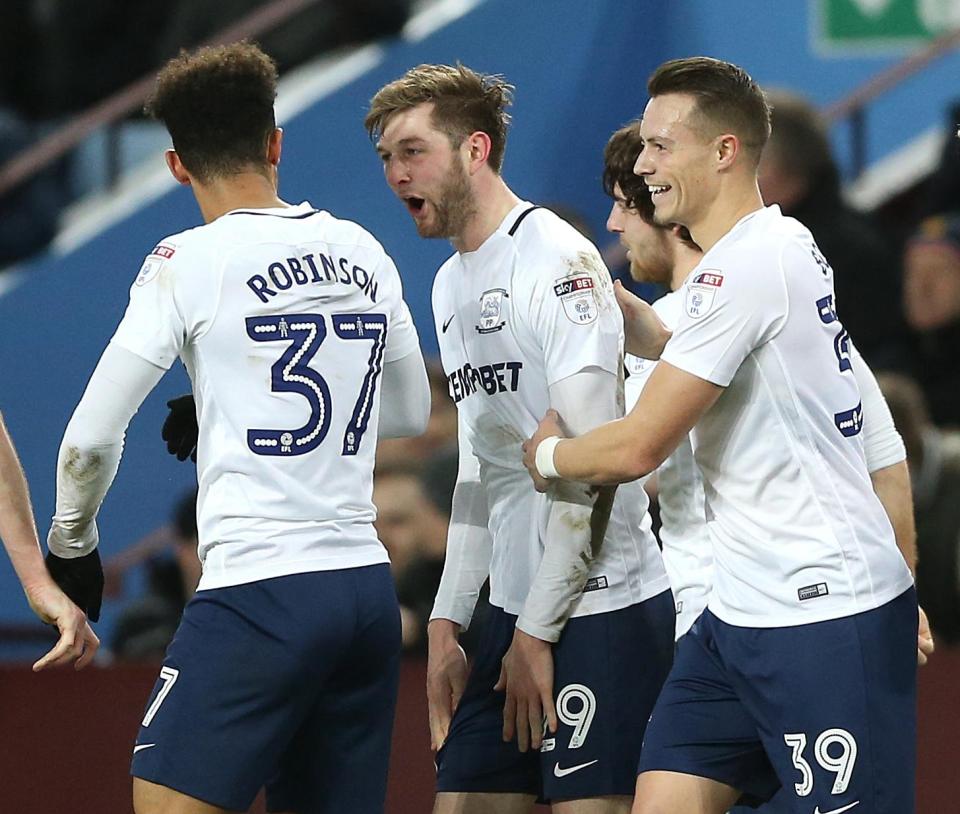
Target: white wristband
544, 457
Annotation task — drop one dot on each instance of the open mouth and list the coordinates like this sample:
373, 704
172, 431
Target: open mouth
657, 189
414, 205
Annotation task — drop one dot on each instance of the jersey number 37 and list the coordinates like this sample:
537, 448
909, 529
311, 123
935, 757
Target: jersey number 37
291, 373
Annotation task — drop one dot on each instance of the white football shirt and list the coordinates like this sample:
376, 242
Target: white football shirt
799, 535
687, 550
284, 319
532, 306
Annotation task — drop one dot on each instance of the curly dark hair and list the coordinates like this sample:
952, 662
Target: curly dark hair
217, 104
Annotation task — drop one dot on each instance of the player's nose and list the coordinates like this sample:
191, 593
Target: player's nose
614, 219
397, 174
643, 165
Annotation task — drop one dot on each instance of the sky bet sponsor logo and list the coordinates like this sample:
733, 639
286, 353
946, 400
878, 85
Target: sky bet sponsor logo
310, 269
708, 278
572, 285
501, 377
164, 251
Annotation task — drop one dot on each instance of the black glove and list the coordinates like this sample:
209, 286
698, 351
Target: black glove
81, 579
180, 430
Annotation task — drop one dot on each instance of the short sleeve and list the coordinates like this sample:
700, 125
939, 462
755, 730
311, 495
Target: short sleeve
402, 338
575, 316
153, 326
725, 314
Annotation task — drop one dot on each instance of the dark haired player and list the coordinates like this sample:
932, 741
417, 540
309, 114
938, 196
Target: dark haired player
291, 324
801, 672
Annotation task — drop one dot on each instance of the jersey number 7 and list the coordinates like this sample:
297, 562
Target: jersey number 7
291, 373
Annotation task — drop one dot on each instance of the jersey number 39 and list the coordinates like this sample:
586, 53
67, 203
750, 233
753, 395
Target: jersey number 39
291, 373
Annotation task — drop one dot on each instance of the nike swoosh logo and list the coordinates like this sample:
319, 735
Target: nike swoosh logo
446, 324
141, 746
558, 772
817, 810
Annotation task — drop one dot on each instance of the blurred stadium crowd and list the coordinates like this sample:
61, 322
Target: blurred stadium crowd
897, 274
49, 73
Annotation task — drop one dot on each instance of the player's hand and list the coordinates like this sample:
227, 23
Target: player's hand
550, 424
181, 430
644, 332
80, 578
77, 643
446, 677
526, 675
925, 643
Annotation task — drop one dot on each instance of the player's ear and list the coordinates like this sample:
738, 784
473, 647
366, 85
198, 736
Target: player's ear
477, 149
275, 146
175, 165
727, 150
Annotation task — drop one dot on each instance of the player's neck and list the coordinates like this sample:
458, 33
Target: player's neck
730, 206
685, 260
493, 200
247, 190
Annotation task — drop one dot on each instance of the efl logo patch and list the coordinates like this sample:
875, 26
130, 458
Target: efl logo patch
698, 300
635, 365
813, 591
149, 270
577, 297
164, 251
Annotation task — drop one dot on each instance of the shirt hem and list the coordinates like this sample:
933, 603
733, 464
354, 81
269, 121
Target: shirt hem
256, 573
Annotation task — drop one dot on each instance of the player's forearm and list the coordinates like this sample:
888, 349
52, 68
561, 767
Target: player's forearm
610, 454
579, 513
92, 445
892, 486
85, 472
17, 528
574, 535
466, 567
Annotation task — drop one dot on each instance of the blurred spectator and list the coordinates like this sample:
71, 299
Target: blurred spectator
934, 460
942, 193
146, 627
407, 523
29, 213
418, 580
413, 528
798, 172
441, 429
932, 306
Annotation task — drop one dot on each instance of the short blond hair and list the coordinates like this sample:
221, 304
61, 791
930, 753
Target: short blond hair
464, 102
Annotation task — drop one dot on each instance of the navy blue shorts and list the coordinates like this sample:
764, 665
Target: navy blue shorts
827, 711
608, 671
288, 683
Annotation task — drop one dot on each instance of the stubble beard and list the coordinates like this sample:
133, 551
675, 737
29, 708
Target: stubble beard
453, 208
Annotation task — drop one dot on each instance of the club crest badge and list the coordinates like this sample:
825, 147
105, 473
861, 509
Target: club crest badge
491, 308
577, 297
